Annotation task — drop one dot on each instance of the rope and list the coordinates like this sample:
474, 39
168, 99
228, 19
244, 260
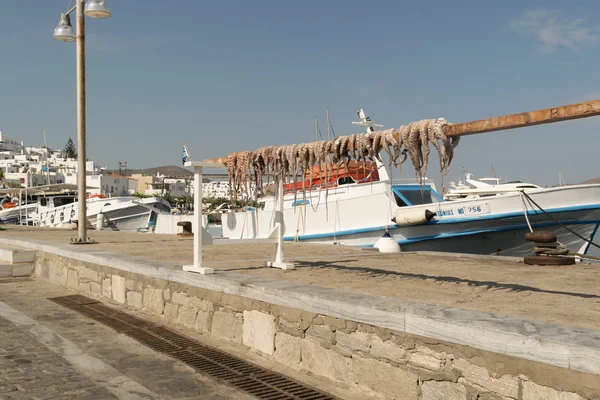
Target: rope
559, 223
525, 210
562, 250
298, 225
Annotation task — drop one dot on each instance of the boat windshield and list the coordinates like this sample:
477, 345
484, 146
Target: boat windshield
412, 195
61, 201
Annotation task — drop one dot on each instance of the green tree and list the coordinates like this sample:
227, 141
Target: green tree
70, 151
1, 175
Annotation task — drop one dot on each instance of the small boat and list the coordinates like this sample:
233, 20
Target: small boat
124, 213
21, 203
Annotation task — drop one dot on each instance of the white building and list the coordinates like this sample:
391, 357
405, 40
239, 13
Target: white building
35, 166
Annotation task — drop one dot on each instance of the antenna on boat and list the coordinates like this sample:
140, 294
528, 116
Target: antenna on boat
365, 121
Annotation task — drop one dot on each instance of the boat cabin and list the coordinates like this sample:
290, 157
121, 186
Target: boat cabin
415, 194
48, 203
335, 176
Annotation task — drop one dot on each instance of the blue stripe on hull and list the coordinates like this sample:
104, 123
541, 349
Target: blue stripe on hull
453, 221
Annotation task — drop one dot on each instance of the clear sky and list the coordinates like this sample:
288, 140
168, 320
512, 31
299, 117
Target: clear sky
237, 75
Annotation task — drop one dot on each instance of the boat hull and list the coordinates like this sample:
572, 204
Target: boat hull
491, 225
505, 238
14, 215
119, 213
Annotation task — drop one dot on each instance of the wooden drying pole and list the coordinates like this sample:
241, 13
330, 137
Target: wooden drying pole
530, 118
547, 116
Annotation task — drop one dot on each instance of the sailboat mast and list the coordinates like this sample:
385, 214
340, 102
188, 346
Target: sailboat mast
316, 129
328, 125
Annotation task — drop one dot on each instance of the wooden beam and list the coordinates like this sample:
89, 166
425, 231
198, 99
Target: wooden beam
220, 160
556, 114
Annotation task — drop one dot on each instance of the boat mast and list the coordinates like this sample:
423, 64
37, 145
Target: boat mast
328, 125
316, 129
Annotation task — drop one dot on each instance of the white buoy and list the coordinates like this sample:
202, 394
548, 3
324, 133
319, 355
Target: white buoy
99, 221
409, 217
387, 244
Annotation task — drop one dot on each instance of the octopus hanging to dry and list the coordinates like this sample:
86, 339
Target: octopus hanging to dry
247, 170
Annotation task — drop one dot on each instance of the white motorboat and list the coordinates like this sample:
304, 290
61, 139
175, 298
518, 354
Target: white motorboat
125, 213
21, 203
361, 203
484, 187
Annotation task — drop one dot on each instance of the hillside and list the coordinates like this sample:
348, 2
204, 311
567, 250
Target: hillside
593, 180
167, 170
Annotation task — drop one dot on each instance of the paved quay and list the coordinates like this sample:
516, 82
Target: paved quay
50, 352
562, 295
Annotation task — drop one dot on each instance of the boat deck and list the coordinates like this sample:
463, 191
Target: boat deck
562, 295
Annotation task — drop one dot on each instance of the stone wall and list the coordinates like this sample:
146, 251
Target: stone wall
376, 362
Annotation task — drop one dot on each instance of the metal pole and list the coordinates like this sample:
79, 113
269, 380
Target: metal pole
81, 176
279, 214
197, 224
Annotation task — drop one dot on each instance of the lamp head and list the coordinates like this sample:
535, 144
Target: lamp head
64, 30
96, 9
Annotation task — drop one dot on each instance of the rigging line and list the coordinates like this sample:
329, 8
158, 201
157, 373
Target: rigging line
558, 222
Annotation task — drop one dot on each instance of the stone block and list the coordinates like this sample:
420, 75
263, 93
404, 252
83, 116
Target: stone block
323, 362
167, 294
533, 391
134, 299
95, 288
203, 321
227, 326
187, 316
52, 273
383, 378
72, 279
118, 289
288, 349
201, 304
291, 328
387, 350
506, 385
22, 269
84, 287
259, 331
183, 299
87, 274
426, 361
433, 390
106, 288
180, 298
153, 301
5, 270
61, 278
171, 312
321, 332
357, 341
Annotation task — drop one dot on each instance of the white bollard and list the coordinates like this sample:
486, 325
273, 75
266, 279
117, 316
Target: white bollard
99, 221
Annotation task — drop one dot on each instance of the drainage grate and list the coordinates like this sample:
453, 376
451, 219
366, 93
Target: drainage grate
234, 371
14, 280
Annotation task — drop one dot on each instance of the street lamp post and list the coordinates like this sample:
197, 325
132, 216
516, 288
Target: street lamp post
64, 33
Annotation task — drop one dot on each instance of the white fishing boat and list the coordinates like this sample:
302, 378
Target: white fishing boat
355, 206
123, 213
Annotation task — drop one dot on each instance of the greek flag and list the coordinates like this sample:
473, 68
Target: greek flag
186, 154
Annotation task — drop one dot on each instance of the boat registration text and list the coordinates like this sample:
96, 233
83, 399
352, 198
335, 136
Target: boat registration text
466, 210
